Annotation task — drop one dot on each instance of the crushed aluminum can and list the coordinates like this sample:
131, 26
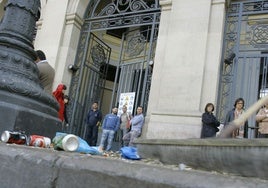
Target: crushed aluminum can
39, 141
14, 137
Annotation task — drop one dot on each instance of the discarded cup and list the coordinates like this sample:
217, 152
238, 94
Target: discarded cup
14, 137
70, 142
182, 166
39, 141
66, 142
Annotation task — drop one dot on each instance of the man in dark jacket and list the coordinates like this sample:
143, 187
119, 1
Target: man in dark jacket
93, 121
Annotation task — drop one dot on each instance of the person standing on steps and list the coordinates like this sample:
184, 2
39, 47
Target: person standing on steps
110, 125
136, 128
93, 121
235, 113
210, 123
59, 96
46, 71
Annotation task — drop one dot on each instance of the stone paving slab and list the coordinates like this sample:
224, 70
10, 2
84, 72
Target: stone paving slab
25, 166
241, 157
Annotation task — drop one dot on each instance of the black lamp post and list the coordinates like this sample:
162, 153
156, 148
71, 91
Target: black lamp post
24, 105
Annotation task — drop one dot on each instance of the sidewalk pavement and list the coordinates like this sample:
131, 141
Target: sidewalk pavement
25, 166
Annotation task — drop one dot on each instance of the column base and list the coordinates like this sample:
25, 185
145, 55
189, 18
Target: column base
21, 113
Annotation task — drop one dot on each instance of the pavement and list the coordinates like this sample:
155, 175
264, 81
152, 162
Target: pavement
26, 166
240, 157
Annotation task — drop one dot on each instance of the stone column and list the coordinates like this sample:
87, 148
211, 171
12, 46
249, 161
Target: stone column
186, 62
24, 105
51, 34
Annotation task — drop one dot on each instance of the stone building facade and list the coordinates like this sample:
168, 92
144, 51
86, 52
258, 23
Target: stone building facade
193, 39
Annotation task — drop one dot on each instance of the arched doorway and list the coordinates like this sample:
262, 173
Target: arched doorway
244, 63
114, 56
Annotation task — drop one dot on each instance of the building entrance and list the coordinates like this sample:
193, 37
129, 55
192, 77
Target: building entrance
115, 55
244, 63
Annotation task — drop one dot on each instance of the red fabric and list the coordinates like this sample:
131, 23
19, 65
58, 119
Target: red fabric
128, 124
59, 95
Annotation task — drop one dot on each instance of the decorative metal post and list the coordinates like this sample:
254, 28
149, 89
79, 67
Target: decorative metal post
24, 105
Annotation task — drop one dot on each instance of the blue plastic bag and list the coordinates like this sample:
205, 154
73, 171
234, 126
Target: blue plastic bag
85, 148
130, 153
83, 145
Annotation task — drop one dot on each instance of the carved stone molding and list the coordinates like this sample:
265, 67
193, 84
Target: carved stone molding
74, 19
165, 5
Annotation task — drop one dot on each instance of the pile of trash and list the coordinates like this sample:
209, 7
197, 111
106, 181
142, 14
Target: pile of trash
65, 142
61, 141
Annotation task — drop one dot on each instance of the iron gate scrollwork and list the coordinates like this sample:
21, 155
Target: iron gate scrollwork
245, 37
136, 65
122, 13
88, 83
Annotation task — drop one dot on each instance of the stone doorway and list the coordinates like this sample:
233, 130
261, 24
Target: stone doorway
126, 33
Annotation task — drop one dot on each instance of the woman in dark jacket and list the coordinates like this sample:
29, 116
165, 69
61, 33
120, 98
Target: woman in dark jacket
209, 122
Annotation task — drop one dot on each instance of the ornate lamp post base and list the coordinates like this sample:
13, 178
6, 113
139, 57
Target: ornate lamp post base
24, 105
25, 114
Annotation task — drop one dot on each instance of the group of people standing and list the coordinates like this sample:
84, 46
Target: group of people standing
128, 128
125, 126
210, 124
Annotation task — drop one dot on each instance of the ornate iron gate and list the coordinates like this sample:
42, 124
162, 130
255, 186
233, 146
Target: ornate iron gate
136, 64
244, 62
87, 84
88, 81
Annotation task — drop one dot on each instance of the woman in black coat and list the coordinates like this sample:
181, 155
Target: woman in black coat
210, 123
